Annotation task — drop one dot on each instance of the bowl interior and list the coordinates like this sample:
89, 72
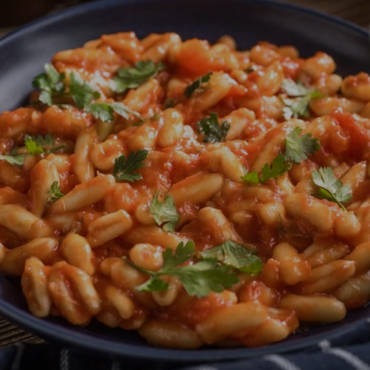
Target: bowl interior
22, 55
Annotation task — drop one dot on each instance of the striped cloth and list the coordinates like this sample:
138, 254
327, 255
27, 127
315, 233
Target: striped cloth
349, 352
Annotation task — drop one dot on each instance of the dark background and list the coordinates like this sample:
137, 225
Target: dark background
16, 12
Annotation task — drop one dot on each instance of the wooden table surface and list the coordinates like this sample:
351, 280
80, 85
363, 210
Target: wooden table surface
356, 11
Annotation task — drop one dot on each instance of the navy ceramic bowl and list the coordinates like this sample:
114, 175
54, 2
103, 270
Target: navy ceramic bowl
23, 53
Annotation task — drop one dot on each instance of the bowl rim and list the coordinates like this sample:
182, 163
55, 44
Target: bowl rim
66, 335
58, 333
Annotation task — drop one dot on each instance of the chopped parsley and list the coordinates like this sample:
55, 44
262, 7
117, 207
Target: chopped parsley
34, 145
211, 130
104, 111
54, 192
251, 177
101, 111
297, 107
297, 149
13, 159
81, 92
132, 77
165, 212
329, 187
269, 171
198, 279
41, 144
197, 85
278, 166
236, 256
50, 83
125, 168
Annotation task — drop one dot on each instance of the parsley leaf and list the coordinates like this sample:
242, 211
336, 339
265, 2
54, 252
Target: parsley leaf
81, 92
40, 144
124, 168
205, 277
101, 111
251, 177
212, 131
329, 187
299, 147
132, 77
104, 111
14, 160
54, 192
123, 110
197, 84
164, 213
49, 83
278, 166
154, 284
235, 255
198, 279
183, 252
297, 107
33, 145
171, 260
269, 171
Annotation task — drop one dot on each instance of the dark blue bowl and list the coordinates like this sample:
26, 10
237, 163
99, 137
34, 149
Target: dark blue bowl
23, 53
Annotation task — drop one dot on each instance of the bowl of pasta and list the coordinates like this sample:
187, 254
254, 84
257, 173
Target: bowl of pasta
185, 187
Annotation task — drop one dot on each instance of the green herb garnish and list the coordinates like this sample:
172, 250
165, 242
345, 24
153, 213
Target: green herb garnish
297, 149
212, 131
329, 187
132, 77
198, 279
197, 85
41, 144
50, 83
35, 145
104, 111
125, 168
14, 160
297, 107
81, 92
165, 212
236, 256
54, 192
